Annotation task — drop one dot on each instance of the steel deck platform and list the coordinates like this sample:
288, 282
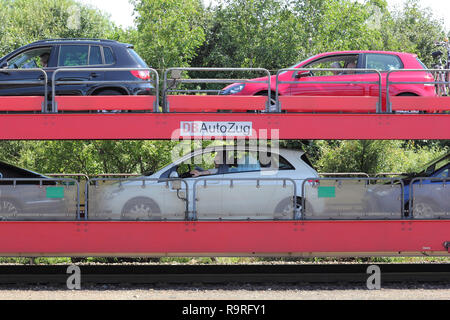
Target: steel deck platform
168, 125
220, 238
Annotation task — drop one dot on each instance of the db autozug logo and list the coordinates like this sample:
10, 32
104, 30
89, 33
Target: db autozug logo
227, 128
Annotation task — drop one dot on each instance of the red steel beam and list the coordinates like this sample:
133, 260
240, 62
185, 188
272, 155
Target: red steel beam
167, 126
352, 104
429, 104
184, 103
31, 103
223, 238
85, 103
364, 104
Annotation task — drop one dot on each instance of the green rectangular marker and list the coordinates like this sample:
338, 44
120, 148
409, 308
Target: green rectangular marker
55, 192
327, 192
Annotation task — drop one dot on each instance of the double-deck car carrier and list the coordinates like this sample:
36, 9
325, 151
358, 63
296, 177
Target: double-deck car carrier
356, 216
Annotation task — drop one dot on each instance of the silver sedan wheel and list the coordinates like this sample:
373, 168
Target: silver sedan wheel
140, 209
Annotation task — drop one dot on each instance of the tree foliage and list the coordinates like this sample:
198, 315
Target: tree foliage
25, 21
277, 33
168, 31
373, 156
88, 157
253, 33
416, 29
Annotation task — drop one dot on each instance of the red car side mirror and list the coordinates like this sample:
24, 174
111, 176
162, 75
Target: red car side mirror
302, 74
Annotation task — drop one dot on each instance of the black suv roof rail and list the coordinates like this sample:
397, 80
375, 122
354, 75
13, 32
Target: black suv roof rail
74, 39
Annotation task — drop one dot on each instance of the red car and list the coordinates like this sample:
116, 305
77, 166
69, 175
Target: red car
379, 60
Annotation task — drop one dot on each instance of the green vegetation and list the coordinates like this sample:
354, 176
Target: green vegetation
25, 21
374, 156
236, 33
275, 34
95, 157
169, 32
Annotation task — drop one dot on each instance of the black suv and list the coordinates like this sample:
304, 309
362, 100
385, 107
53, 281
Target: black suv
55, 54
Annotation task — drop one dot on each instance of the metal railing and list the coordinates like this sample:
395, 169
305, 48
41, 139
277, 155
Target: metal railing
342, 70
143, 183
86, 177
17, 183
344, 174
178, 73
389, 83
431, 201
231, 181
386, 174
155, 82
120, 175
177, 79
357, 198
375, 202
43, 80
78, 176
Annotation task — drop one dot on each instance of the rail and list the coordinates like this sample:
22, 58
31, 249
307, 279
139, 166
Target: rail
363, 105
87, 177
219, 102
428, 198
257, 184
49, 199
266, 275
430, 103
353, 198
114, 103
31, 104
386, 174
200, 100
344, 174
205, 199
118, 186
78, 176
117, 175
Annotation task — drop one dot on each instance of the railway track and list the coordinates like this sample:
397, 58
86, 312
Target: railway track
217, 274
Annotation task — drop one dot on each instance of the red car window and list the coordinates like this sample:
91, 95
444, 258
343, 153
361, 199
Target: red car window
333, 62
383, 62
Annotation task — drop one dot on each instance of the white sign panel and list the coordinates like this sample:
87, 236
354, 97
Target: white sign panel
216, 129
